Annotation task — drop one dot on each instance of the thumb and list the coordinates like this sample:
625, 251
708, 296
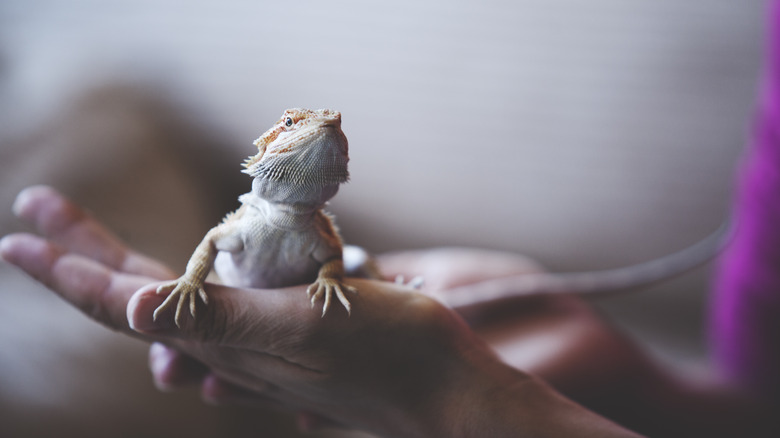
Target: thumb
234, 317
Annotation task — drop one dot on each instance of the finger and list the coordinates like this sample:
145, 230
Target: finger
66, 224
270, 331
232, 316
445, 268
268, 322
172, 369
97, 290
220, 392
402, 264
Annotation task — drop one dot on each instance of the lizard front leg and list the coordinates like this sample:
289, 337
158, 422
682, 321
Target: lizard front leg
189, 286
329, 281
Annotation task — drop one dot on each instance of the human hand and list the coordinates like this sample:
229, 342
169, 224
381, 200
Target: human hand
449, 271
268, 347
402, 364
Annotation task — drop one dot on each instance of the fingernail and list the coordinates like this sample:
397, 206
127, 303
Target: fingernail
211, 390
23, 199
20, 202
5, 248
156, 351
159, 363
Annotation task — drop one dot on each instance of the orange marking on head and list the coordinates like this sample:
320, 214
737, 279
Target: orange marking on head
297, 115
267, 138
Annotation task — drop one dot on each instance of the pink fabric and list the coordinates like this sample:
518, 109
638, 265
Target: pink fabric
745, 323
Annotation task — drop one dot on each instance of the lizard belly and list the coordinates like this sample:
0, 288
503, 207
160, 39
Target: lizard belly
271, 257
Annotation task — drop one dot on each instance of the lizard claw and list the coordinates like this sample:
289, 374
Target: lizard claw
326, 287
415, 283
182, 291
312, 290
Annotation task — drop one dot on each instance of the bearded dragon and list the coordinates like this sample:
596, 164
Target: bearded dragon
280, 236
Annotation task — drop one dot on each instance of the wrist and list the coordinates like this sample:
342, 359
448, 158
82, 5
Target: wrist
484, 401
496, 400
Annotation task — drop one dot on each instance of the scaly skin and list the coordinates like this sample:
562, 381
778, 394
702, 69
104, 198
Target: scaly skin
279, 236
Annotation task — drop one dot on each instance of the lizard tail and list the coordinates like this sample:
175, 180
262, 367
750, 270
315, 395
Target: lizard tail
501, 290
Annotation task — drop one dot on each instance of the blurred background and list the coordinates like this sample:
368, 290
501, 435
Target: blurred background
585, 135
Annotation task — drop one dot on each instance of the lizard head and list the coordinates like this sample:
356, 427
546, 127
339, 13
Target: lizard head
304, 152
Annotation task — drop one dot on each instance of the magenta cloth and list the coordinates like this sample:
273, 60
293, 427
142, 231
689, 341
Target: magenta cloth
745, 313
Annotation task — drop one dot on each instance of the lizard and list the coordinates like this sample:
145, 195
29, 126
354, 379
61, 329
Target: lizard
280, 233
279, 236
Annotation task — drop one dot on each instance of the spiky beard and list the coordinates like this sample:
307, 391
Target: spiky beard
317, 165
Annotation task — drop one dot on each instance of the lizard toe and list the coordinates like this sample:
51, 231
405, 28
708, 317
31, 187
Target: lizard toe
343, 299
326, 304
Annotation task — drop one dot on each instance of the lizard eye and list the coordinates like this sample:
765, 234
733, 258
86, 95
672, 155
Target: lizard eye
288, 122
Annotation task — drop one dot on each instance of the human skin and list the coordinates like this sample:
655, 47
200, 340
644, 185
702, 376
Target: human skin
559, 339
401, 365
